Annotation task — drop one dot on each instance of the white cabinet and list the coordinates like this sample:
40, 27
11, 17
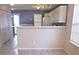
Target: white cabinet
58, 15
37, 19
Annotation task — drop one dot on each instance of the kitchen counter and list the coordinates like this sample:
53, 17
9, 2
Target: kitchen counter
41, 37
42, 27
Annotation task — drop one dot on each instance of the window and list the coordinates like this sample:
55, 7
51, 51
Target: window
75, 27
16, 20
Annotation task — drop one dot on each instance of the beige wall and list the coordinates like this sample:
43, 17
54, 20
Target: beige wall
42, 38
69, 47
5, 23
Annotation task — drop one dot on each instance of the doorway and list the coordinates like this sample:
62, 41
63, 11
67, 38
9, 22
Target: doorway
16, 23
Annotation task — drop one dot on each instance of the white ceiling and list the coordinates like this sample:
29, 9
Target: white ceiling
27, 7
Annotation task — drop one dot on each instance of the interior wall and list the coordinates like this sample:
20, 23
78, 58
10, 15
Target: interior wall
5, 23
69, 47
41, 38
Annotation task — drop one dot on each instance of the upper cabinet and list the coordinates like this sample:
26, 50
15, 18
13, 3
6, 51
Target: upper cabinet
37, 19
57, 17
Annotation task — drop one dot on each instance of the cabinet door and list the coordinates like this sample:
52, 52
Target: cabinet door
37, 19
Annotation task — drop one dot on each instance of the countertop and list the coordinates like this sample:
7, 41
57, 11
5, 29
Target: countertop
42, 27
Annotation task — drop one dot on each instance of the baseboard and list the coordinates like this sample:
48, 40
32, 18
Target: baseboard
4, 43
40, 48
67, 52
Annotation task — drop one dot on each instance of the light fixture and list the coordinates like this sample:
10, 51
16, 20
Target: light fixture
41, 6
11, 4
12, 8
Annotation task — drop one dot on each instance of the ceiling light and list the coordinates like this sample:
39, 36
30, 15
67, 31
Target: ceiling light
41, 6
12, 8
11, 4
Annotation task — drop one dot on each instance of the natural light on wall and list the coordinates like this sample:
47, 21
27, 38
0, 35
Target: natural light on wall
16, 20
75, 27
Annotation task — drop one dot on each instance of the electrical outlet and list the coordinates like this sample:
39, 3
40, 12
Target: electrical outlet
34, 42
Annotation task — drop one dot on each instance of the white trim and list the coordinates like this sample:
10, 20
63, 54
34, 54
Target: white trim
41, 27
74, 43
40, 48
67, 52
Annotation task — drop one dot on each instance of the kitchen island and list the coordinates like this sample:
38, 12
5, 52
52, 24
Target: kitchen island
41, 37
